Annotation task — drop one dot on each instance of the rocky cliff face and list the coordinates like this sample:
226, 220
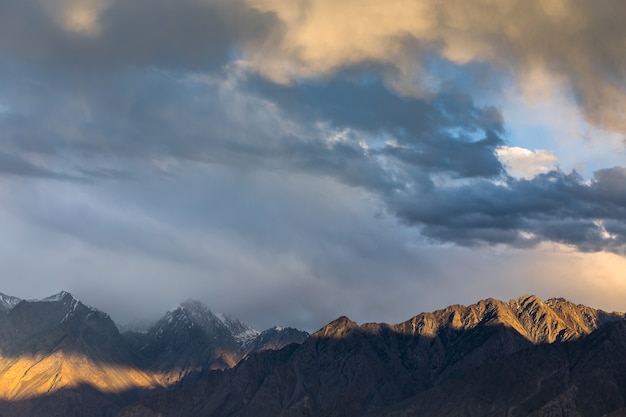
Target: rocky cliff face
518, 358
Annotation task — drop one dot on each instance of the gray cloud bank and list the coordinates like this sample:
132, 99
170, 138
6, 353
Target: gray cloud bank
164, 87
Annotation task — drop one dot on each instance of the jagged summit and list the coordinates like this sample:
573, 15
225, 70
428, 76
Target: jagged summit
7, 302
522, 357
62, 304
74, 309
537, 321
194, 314
515, 355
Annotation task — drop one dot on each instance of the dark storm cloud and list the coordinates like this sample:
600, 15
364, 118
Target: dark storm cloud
435, 135
449, 134
251, 124
555, 207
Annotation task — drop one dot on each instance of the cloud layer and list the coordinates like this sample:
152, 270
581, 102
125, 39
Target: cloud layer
303, 150
573, 42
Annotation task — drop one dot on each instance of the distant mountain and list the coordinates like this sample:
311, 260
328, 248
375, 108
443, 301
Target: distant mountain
191, 339
524, 357
275, 338
59, 356
61, 323
59, 344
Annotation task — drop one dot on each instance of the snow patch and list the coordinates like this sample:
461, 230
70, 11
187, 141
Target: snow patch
242, 333
246, 337
71, 311
7, 302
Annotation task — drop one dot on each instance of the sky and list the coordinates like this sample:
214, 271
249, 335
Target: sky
288, 162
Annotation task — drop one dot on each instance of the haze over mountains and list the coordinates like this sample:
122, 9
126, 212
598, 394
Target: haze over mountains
525, 357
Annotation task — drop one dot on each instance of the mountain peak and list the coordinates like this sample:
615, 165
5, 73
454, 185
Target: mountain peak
61, 296
193, 316
191, 312
337, 328
528, 299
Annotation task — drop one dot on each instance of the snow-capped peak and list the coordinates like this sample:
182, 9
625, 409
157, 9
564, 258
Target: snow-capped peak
59, 297
7, 302
73, 304
194, 314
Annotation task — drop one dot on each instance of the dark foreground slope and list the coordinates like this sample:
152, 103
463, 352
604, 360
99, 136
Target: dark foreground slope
522, 358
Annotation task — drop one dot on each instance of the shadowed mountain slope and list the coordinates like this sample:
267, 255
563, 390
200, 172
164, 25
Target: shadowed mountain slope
521, 358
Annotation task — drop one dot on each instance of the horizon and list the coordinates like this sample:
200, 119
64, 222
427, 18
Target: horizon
152, 321
291, 162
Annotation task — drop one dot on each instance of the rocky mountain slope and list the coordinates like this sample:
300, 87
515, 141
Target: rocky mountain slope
67, 358
525, 357
59, 344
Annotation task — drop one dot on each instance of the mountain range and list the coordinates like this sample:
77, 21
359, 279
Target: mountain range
59, 356
524, 357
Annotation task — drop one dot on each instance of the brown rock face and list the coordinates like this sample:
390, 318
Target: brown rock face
518, 358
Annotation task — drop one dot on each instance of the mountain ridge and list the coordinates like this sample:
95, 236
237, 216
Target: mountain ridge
379, 369
343, 369
60, 344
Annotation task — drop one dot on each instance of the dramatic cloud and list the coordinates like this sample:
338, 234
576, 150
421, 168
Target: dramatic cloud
289, 162
555, 207
579, 43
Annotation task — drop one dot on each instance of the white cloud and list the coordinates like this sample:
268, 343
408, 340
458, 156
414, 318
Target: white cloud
524, 163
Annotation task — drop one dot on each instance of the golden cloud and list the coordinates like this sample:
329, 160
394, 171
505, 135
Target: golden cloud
76, 16
579, 42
